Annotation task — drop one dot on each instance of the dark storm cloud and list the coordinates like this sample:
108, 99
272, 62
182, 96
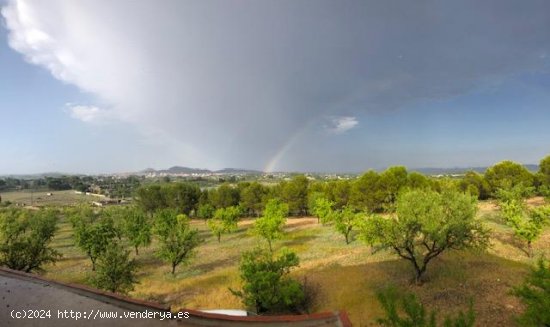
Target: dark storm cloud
234, 82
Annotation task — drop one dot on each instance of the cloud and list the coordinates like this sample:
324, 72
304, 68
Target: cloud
87, 114
228, 82
340, 125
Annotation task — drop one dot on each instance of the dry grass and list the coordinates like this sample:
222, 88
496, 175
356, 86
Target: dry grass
347, 276
40, 198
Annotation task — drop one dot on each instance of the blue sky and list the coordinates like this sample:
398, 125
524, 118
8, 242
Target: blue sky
87, 87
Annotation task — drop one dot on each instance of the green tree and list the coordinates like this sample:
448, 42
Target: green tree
115, 272
417, 180
322, 209
206, 211
224, 196
339, 193
225, 221
25, 238
266, 286
252, 198
415, 314
475, 184
150, 198
294, 193
93, 233
535, 294
345, 220
507, 174
183, 197
270, 225
544, 170
391, 181
425, 225
137, 228
177, 240
365, 194
527, 223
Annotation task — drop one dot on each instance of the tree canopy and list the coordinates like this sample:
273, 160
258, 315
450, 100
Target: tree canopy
426, 224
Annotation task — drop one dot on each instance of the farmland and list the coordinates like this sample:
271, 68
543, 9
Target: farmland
344, 276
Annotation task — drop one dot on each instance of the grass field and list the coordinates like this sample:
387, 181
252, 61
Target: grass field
345, 276
41, 198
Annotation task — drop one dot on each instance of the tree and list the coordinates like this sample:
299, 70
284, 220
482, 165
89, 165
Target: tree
417, 180
475, 184
339, 193
206, 211
266, 285
137, 228
294, 193
115, 271
365, 194
25, 238
322, 209
526, 223
543, 177
425, 225
507, 174
177, 239
224, 196
415, 312
252, 198
391, 181
225, 220
270, 225
150, 198
535, 294
93, 233
544, 170
183, 197
345, 220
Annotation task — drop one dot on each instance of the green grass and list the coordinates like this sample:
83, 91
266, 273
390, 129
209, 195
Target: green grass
346, 276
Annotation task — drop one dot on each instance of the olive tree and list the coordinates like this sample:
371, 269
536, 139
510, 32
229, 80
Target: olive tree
426, 224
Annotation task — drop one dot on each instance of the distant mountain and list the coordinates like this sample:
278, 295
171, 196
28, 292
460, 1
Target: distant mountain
187, 170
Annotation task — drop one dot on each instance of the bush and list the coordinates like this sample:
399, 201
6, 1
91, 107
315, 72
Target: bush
415, 314
266, 285
535, 294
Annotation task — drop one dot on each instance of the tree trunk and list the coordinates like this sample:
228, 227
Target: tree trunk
347, 238
219, 237
173, 269
419, 272
529, 249
137, 252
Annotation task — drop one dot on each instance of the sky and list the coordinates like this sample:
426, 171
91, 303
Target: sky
101, 86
